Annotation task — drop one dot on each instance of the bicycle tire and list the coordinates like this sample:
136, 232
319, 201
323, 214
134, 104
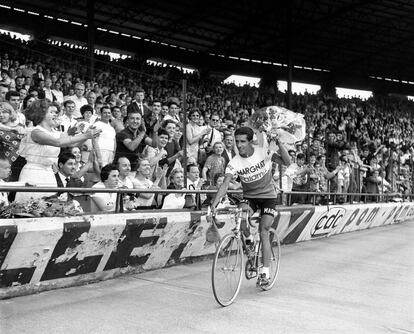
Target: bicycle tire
274, 260
227, 270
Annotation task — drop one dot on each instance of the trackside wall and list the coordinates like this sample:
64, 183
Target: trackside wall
46, 253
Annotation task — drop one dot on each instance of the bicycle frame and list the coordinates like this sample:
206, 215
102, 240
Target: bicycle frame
252, 253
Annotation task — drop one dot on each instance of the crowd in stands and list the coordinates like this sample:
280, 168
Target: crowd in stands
124, 129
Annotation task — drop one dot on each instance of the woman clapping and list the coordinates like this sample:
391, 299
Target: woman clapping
41, 146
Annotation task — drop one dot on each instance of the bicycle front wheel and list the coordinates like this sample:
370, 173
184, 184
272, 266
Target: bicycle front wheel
227, 271
274, 259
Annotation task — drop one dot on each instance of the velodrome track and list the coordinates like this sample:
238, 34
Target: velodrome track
359, 282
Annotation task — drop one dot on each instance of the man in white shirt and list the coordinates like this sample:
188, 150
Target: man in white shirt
107, 139
78, 98
194, 182
13, 98
67, 120
215, 136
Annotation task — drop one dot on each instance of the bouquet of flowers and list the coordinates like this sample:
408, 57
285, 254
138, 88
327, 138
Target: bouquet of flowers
51, 207
278, 122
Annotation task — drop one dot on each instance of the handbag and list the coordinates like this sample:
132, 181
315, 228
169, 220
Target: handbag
212, 233
189, 202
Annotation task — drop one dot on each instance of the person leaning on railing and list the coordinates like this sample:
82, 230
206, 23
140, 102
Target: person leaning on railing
143, 180
106, 202
177, 200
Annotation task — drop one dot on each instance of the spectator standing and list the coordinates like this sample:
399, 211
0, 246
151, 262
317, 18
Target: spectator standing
164, 111
153, 119
173, 110
215, 135
3, 90
132, 140
300, 178
157, 156
195, 134
215, 163
117, 121
6, 80
107, 140
41, 146
78, 98
67, 120
57, 92
334, 145
138, 105
174, 152
10, 136
48, 91
13, 98
229, 152
91, 99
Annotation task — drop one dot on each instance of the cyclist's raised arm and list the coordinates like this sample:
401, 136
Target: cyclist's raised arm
221, 191
283, 154
261, 140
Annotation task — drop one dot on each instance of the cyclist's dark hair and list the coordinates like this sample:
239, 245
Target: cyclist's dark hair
244, 130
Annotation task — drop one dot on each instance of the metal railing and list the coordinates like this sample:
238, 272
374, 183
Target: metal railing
284, 198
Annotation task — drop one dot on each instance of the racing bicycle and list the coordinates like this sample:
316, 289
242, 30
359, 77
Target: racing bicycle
228, 264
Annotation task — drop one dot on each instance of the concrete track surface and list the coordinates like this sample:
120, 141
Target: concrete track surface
360, 282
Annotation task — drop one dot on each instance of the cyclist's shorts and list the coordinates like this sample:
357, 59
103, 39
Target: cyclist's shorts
267, 205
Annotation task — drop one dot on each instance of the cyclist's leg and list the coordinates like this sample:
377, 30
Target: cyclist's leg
266, 222
268, 214
248, 209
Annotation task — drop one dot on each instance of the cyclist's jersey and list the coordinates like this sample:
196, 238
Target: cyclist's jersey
255, 173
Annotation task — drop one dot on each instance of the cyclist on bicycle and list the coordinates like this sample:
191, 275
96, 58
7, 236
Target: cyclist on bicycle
254, 167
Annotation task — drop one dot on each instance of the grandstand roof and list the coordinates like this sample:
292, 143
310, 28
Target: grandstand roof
349, 38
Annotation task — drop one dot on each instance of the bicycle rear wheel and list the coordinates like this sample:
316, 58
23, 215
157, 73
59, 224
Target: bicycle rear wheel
227, 270
274, 259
